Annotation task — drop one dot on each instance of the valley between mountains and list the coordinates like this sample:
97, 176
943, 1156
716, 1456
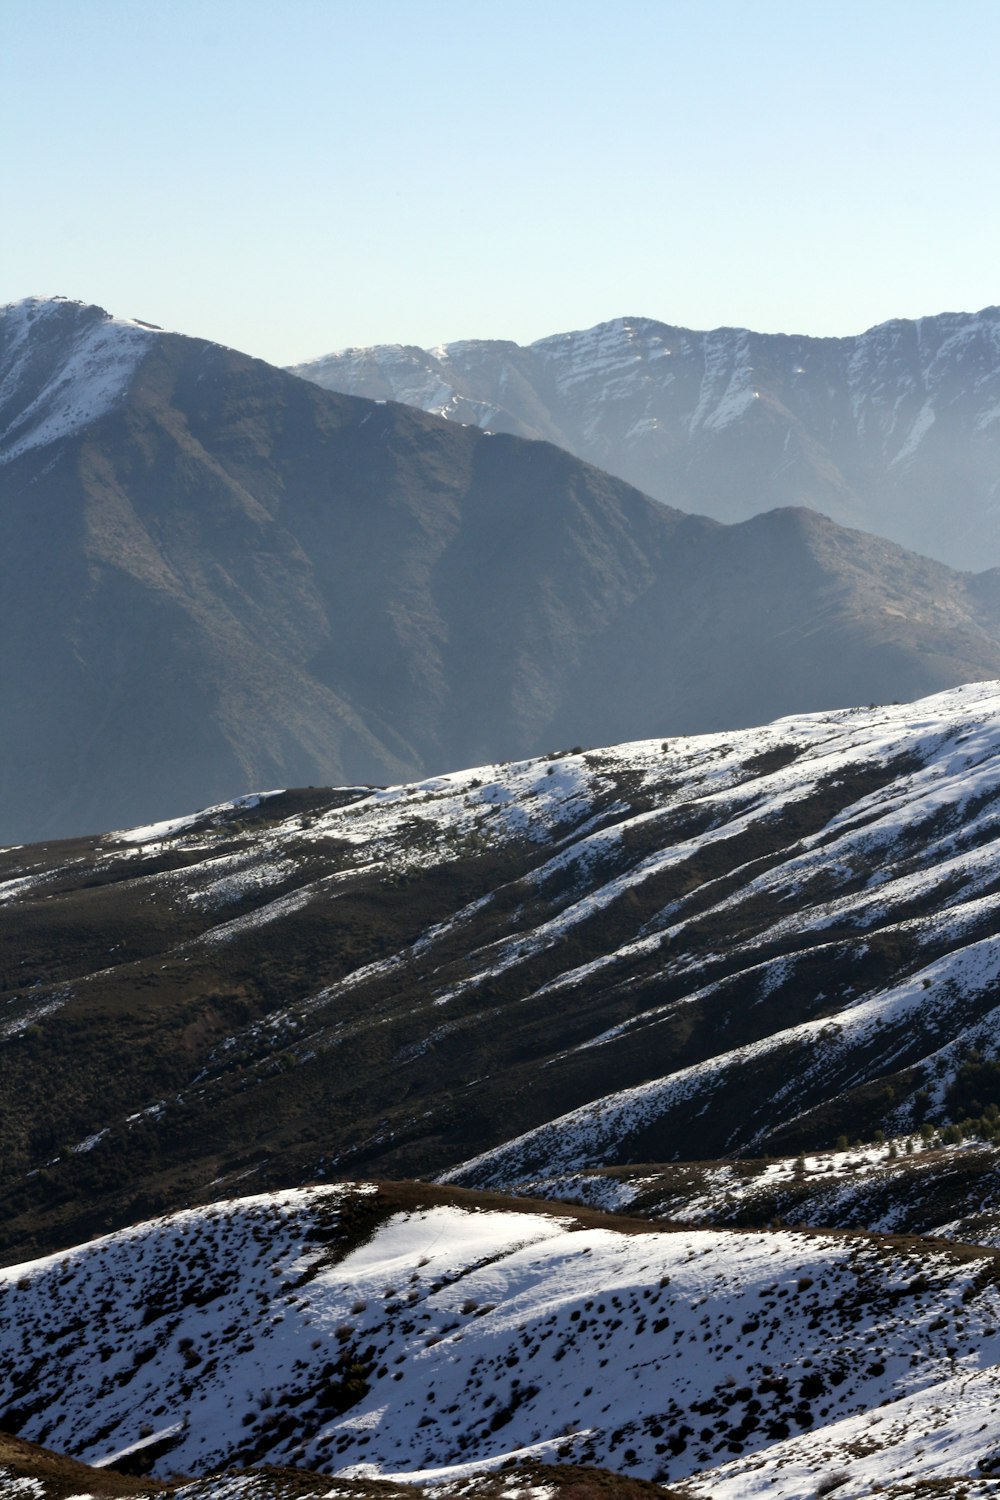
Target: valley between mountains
513, 979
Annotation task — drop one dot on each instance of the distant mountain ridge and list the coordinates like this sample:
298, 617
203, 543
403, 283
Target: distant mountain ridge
895, 431
215, 576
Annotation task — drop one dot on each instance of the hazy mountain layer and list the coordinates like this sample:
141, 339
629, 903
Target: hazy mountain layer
724, 945
896, 431
215, 576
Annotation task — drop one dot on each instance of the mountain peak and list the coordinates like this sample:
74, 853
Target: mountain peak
63, 364
16, 318
220, 576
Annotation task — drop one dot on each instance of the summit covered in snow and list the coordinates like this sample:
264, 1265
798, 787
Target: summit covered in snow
63, 365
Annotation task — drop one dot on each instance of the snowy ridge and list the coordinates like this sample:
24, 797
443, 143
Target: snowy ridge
914, 1183
758, 941
62, 365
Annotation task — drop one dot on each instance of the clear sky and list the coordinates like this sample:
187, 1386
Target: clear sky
295, 177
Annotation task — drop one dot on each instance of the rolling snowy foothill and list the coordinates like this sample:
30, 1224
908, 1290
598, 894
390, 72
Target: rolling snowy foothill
349, 1331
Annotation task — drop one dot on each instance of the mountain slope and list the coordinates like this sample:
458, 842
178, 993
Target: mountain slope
939, 1442
896, 431
414, 1334
215, 576
725, 945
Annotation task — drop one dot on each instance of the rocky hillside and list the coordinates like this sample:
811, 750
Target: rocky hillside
730, 945
215, 576
896, 431
942, 1180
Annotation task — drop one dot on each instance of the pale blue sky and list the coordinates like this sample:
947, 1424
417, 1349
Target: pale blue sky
293, 178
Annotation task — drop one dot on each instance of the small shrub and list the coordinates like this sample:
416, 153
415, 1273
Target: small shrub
831, 1482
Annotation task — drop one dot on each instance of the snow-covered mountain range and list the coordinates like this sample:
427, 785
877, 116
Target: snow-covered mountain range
895, 431
681, 954
714, 983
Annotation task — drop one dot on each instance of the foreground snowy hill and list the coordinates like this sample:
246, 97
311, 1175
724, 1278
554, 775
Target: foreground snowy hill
417, 1335
728, 945
941, 1441
895, 430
